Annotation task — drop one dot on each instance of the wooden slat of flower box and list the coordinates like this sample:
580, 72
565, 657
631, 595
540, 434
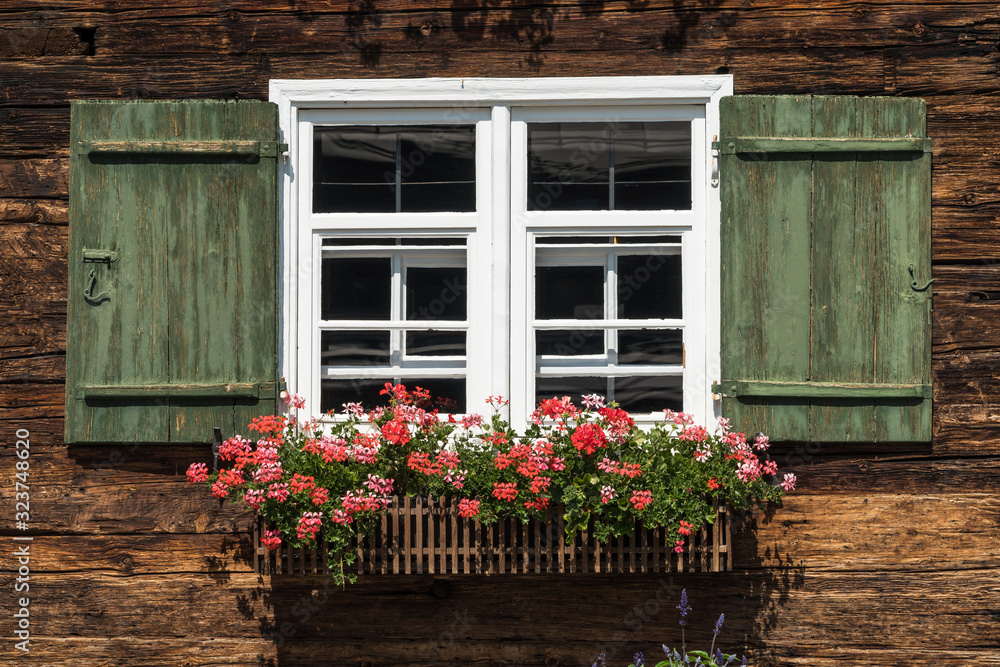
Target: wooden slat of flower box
384, 536
453, 538
417, 549
428, 537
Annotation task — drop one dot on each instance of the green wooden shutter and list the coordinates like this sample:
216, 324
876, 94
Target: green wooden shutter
172, 322
826, 261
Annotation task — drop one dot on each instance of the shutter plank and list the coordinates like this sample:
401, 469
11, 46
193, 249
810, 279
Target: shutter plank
903, 324
258, 284
765, 264
843, 257
199, 202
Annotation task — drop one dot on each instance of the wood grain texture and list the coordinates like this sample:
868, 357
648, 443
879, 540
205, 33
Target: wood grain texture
139, 568
807, 610
192, 298
816, 252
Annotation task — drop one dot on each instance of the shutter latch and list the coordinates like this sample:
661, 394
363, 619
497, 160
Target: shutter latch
90, 293
104, 256
915, 285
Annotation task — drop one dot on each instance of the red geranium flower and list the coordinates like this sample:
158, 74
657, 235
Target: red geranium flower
468, 508
396, 432
505, 491
588, 438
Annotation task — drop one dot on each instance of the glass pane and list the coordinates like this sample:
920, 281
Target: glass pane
430, 197
662, 348
652, 166
568, 166
649, 287
356, 169
447, 394
354, 348
435, 343
643, 394
438, 154
366, 392
356, 289
569, 343
609, 166
557, 387
436, 293
569, 292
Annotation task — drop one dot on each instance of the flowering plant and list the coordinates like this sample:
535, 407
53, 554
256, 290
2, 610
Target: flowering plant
712, 658
319, 481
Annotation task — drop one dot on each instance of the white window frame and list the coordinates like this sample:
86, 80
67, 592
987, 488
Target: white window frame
503, 233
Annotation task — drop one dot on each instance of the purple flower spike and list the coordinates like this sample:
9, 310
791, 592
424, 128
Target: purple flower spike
718, 625
638, 660
684, 606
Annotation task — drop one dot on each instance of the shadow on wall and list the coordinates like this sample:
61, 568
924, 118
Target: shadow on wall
528, 27
525, 620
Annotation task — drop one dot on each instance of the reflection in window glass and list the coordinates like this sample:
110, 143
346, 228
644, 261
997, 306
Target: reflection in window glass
649, 287
569, 292
569, 343
447, 394
653, 393
334, 393
436, 293
356, 288
354, 348
556, 387
609, 166
651, 347
394, 169
637, 394
435, 344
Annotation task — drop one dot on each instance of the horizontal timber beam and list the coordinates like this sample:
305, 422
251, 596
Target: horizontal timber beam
821, 389
733, 145
231, 390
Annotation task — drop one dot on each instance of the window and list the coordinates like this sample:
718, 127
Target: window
529, 238
518, 237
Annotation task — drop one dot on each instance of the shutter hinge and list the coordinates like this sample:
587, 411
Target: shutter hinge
715, 161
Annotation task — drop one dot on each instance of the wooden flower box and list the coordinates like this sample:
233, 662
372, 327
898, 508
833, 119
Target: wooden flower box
426, 536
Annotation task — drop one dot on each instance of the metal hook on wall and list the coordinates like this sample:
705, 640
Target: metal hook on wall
88, 292
106, 257
915, 286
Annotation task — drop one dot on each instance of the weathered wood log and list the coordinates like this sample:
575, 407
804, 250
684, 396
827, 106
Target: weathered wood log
611, 26
34, 178
39, 133
38, 41
75, 651
763, 71
34, 212
790, 602
304, 9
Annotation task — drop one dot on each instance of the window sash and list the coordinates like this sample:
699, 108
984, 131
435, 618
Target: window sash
503, 239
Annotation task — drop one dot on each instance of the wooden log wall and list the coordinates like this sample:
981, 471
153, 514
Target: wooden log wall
887, 556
